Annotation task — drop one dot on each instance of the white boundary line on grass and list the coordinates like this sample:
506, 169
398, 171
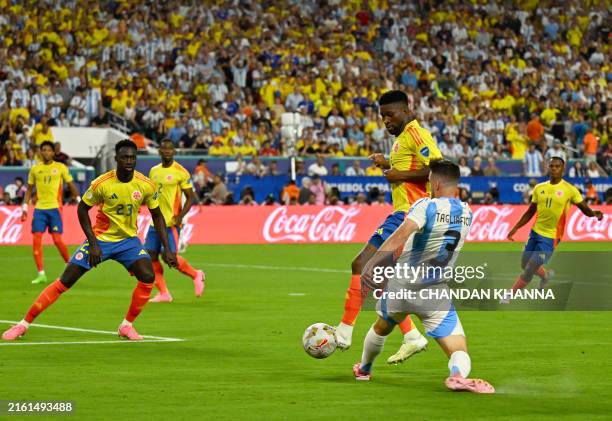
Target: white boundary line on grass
147, 338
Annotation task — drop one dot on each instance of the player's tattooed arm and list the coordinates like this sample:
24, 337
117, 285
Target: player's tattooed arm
585, 209
26, 201
531, 210
394, 175
95, 254
160, 228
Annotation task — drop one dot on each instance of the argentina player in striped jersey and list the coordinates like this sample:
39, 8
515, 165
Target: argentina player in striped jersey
431, 236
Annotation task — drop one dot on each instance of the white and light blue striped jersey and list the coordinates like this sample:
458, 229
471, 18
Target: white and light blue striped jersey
533, 164
443, 224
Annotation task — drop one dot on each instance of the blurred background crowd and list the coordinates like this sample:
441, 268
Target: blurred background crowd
491, 80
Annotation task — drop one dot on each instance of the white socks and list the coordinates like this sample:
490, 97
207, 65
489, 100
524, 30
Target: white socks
372, 346
460, 363
413, 335
24, 323
126, 323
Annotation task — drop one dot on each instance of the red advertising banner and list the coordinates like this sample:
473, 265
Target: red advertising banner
308, 224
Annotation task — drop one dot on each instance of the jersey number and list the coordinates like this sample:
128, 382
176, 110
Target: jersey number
47, 179
124, 210
451, 240
548, 202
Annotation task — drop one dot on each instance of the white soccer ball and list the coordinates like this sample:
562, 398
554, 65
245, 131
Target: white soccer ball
319, 340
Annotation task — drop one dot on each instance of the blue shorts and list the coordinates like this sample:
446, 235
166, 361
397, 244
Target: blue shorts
387, 228
125, 252
153, 242
47, 220
538, 249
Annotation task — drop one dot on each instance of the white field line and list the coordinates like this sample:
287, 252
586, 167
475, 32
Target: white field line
147, 338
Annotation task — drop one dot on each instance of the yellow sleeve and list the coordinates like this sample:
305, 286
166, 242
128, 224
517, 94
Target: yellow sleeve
31, 178
186, 181
93, 196
66, 174
575, 197
427, 149
151, 198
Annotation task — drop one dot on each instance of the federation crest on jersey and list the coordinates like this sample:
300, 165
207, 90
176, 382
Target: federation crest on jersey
54, 171
396, 147
424, 151
79, 256
136, 195
169, 177
559, 193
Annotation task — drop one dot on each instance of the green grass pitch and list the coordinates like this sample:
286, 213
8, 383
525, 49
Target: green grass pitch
242, 356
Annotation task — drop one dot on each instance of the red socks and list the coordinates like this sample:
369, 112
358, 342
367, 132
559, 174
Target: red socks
185, 268
541, 272
140, 296
49, 295
520, 283
406, 325
160, 282
37, 249
352, 301
59, 243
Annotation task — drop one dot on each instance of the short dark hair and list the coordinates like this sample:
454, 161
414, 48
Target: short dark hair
47, 143
391, 97
445, 169
166, 140
125, 143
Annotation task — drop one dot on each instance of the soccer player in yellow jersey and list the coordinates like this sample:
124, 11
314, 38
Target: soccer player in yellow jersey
550, 202
48, 178
173, 182
119, 194
408, 171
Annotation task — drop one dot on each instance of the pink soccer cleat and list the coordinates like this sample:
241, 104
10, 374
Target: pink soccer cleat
199, 283
161, 298
14, 332
459, 384
361, 375
128, 332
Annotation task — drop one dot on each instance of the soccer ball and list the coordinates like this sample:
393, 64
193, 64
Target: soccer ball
319, 340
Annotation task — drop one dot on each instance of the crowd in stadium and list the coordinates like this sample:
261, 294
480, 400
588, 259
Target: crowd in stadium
490, 81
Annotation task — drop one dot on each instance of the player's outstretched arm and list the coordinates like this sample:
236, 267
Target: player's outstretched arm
26, 202
160, 228
380, 161
95, 254
189, 200
531, 210
585, 209
394, 175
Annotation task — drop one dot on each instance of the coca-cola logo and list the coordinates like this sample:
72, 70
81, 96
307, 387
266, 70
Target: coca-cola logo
330, 224
490, 223
582, 227
11, 228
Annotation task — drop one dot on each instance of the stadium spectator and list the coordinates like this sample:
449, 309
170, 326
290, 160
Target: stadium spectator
577, 170
464, 170
532, 164
219, 194
373, 170
556, 151
202, 178
256, 167
61, 156
591, 195
335, 170
592, 170
16, 191
318, 189
318, 167
527, 193
492, 170
476, 170
101, 119
305, 191
5, 200
355, 169
290, 192
590, 147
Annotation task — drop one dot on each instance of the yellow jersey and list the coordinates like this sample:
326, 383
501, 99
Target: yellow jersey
48, 180
554, 201
119, 204
170, 183
412, 150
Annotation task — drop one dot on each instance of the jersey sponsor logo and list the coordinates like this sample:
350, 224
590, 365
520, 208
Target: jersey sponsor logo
424, 151
78, 256
136, 195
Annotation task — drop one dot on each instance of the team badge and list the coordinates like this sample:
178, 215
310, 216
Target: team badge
395, 146
169, 177
559, 193
79, 256
424, 151
137, 195
54, 171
